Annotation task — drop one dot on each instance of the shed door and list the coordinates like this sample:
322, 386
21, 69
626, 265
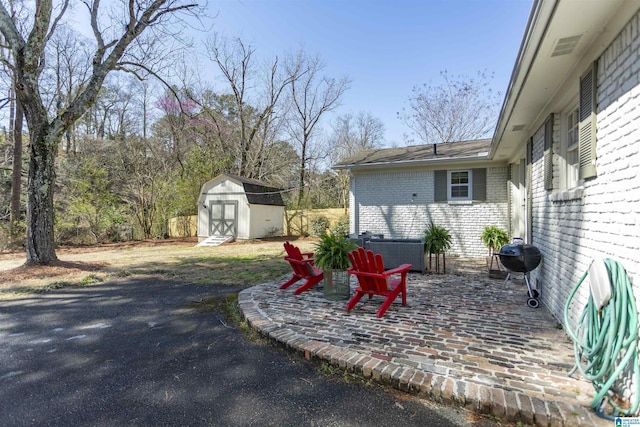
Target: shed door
224, 218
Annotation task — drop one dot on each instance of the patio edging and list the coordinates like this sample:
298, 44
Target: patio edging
503, 404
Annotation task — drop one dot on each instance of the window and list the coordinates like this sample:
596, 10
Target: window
459, 185
571, 148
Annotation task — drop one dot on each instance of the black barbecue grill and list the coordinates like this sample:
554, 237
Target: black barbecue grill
521, 258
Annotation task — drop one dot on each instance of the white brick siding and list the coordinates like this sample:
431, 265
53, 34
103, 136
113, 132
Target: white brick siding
603, 221
385, 204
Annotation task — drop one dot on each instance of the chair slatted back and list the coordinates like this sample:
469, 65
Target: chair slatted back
292, 251
299, 264
367, 262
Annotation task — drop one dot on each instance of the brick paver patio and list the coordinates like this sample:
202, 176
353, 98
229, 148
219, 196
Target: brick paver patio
463, 339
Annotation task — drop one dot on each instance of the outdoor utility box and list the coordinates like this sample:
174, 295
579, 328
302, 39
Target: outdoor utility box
399, 251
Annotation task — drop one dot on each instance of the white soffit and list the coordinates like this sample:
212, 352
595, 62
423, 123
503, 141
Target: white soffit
569, 33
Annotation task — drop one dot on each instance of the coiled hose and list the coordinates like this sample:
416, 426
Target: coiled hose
606, 341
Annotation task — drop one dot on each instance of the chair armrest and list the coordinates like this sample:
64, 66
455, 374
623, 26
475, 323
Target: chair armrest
365, 274
308, 254
299, 261
402, 269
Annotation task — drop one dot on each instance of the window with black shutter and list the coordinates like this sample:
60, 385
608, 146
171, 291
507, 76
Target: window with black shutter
587, 125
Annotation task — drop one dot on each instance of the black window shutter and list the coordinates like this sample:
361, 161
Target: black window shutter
440, 186
479, 178
548, 153
587, 123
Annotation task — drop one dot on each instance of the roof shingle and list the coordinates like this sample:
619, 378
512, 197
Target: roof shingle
477, 148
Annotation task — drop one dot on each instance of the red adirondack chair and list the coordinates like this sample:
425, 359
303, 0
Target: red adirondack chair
303, 268
374, 280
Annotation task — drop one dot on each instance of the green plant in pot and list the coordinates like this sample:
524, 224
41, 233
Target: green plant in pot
437, 240
331, 254
494, 238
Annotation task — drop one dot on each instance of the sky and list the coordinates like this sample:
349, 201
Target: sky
386, 47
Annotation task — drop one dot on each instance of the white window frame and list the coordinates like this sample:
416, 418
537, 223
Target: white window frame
469, 185
569, 172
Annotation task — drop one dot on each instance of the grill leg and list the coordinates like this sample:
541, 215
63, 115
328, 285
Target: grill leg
508, 277
526, 279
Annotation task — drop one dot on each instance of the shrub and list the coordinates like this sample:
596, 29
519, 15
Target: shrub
341, 227
12, 238
318, 225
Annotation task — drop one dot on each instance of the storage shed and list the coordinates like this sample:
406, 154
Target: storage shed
242, 208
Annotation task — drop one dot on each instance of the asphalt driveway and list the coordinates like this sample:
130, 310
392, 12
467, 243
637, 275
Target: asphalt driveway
132, 353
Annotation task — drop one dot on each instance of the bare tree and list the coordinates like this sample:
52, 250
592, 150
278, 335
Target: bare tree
16, 175
256, 112
312, 95
355, 133
115, 49
352, 134
460, 109
69, 58
16, 116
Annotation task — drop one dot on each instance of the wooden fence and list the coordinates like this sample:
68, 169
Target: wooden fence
296, 222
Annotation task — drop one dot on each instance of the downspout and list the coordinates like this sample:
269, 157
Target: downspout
354, 211
509, 199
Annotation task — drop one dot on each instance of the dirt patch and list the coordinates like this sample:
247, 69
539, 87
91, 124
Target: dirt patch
62, 250
58, 268
23, 272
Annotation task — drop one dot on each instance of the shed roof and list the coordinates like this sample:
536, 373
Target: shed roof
476, 149
259, 193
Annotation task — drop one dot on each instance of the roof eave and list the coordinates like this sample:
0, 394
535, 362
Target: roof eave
530, 41
422, 162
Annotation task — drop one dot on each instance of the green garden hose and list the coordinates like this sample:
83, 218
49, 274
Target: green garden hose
606, 341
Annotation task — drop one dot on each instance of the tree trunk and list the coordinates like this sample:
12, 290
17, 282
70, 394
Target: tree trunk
303, 163
16, 177
40, 215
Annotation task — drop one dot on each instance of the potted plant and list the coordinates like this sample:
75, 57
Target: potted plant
494, 238
437, 240
332, 256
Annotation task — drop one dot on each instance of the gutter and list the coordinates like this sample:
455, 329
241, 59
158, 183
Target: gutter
414, 162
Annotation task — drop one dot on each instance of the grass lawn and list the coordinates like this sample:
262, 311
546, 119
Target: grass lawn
239, 264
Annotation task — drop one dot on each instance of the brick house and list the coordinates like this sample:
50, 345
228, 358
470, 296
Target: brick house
570, 131
565, 179
397, 192
562, 169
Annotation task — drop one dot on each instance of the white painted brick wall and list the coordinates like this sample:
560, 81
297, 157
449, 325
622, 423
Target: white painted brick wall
605, 221
386, 205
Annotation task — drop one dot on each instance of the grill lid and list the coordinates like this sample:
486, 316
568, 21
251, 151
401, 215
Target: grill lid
519, 257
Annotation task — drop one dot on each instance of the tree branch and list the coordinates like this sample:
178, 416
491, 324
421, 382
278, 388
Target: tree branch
50, 34
10, 31
37, 39
121, 67
101, 67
